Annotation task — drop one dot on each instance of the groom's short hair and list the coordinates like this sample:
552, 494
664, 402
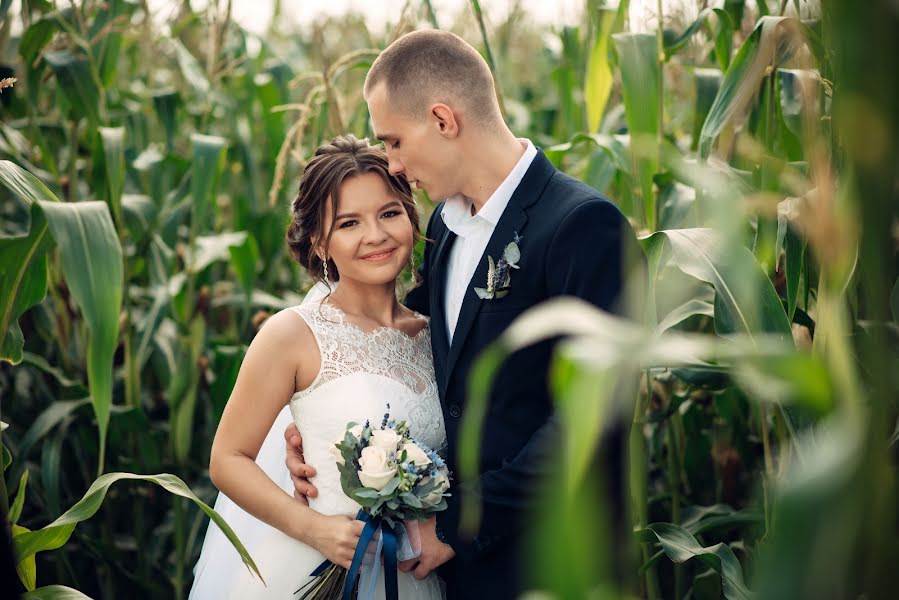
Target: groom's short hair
427, 66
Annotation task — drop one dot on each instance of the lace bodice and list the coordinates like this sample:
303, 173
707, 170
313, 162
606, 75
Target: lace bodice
361, 373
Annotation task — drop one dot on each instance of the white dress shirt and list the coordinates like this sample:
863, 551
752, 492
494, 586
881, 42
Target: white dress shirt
474, 232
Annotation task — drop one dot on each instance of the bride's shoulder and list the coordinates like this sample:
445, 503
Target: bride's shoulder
285, 327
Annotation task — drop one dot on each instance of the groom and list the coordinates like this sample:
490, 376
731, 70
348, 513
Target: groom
432, 102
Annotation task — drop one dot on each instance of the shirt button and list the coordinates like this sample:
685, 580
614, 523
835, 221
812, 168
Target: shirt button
455, 411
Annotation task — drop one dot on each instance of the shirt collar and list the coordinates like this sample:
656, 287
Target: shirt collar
457, 209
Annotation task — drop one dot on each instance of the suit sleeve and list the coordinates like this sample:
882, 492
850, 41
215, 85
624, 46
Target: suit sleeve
418, 297
584, 259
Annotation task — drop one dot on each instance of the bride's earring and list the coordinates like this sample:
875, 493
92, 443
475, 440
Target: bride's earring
325, 269
412, 261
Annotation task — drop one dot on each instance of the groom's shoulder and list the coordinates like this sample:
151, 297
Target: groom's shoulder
566, 194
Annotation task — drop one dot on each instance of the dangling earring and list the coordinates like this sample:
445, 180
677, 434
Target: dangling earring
325, 269
412, 260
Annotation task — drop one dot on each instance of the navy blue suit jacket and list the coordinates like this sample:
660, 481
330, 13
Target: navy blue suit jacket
573, 243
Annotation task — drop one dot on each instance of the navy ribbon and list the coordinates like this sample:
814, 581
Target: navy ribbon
372, 525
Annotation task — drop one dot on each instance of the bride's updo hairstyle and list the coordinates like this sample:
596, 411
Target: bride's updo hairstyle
340, 159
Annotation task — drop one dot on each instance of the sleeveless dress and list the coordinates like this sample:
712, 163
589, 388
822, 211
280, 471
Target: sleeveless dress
361, 373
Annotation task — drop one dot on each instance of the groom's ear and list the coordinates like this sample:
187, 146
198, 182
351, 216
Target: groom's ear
445, 120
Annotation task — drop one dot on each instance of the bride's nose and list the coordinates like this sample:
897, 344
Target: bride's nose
374, 233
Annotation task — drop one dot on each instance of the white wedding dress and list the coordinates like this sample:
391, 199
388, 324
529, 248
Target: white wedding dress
361, 373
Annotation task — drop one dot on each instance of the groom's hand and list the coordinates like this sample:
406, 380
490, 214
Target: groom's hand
296, 464
433, 552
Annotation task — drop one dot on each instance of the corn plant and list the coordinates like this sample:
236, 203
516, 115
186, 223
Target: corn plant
147, 168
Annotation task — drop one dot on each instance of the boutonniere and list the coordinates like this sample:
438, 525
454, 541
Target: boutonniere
499, 273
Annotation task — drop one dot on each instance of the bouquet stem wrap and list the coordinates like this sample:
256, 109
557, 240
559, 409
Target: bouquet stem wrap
393, 544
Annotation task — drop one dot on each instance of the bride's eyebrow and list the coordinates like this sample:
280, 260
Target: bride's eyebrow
355, 215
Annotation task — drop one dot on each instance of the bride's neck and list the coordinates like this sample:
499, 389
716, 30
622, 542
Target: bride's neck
377, 303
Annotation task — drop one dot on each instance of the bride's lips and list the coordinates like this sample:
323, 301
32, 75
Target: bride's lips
379, 255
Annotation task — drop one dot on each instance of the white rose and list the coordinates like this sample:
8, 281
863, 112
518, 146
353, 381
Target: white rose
416, 455
375, 469
386, 439
433, 499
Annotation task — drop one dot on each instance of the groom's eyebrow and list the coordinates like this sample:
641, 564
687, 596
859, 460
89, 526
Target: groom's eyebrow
355, 215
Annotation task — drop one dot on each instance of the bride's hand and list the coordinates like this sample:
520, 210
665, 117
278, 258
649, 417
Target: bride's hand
336, 537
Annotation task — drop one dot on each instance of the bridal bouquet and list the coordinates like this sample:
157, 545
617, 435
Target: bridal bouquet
395, 479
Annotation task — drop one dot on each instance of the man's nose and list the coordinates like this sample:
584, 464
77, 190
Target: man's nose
394, 165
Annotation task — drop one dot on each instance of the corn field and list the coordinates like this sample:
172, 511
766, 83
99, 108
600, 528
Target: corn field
147, 170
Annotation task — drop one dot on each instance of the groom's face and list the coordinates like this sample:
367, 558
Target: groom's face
416, 148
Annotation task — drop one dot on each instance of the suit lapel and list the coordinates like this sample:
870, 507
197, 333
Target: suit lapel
437, 275
512, 221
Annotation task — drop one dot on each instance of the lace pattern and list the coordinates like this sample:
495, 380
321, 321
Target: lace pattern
346, 349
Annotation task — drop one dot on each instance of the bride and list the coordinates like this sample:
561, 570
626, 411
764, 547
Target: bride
342, 357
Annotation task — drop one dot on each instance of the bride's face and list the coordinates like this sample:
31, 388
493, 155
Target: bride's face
372, 236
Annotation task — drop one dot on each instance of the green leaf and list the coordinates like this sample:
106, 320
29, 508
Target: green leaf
673, 46
206, 167
184, 389
71, 388
51, 459
55, 592
677, 205
599, 79
57, 533
723, 38
794, 259
26, 569
106, 49
583, 399
140, 215
23, 270
690, 308
15, 511
708, 82
76, 83
745, 299
741, 81
680, 547
91, 260
114, 155
55, 413
639, 63
193, 73
5, 456
213, 248
4, 8
244, 258
166, 104
39, 34
800, 378
693, 517
411, 500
